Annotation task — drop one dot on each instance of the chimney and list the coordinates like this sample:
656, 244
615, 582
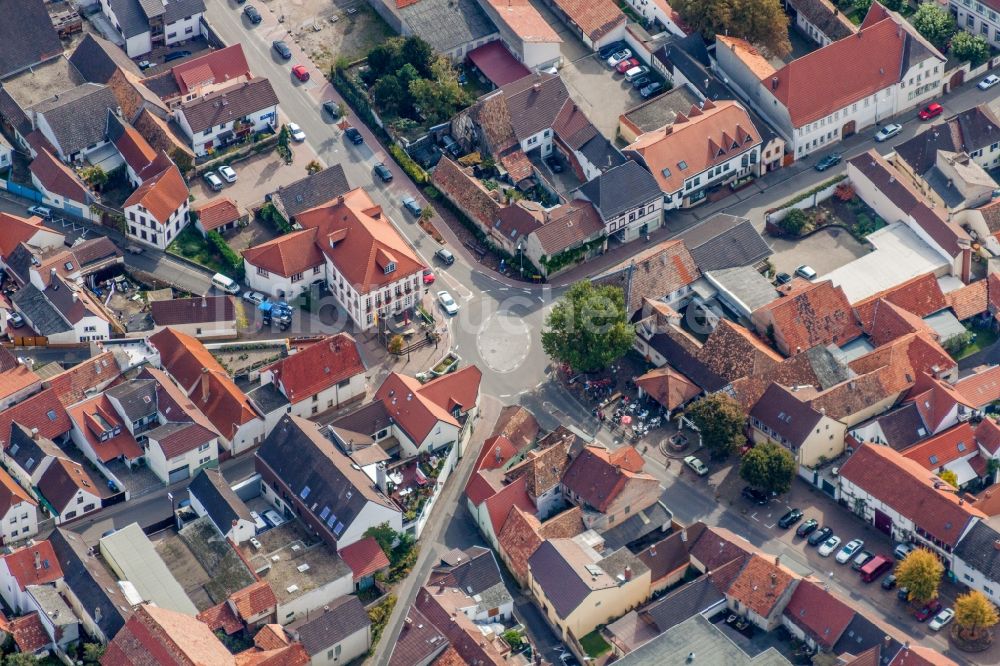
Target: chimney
204, 385
996, 545
777, 560
684, 535
774, 579
76, 296
536, 86
774, 83
499, 455
204, 302
652, 550
235, 523
628, 573
34, 434
886, 642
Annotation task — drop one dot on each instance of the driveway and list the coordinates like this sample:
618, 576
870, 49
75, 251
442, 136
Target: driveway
825, 251
600, 91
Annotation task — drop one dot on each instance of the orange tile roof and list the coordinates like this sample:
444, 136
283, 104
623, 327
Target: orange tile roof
982, 388
287, 255
518, 425
891, 321
596, 476
970, 300
74, 384
524, 20
271, 637
253, 600
155, 635
760, 585
214, 67
17, 379
988, 435
920, 295
668, 387
161, 194
318, 367
935, 399
90, 415
595, 18
134, 148
42, 410
12, 494
821, 614
58, 178
365, 557
696, 142
945, 447
29, 633
431, 402
918, 655
993, 289
514, 494
17, 230
33, 565
749, 56
522, 534
731, 351
496, 452
218, 212
220, 616
809, 315
363, 241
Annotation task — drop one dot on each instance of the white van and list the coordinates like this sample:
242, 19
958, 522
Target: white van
227, 285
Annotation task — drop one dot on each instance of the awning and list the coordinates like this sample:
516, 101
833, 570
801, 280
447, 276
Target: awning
497, 64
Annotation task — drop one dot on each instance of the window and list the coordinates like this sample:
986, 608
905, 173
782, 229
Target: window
204, 447
970, 21
25, 529
131, 215
204, 460
13, 520
263, 273
390, 267
682, 165
985, 29
317, 270
172, 35
70, 514
297, 277
79, 499
188, 30
89, 507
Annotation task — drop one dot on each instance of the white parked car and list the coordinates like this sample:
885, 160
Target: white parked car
616, 58
296, 132
228, 173
942, 618
697, 465
888, 131
829, 546
988, 82
274, 517
254, 297
448, 303
849, 550
806, 272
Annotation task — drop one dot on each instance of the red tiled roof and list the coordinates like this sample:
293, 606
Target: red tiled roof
935, 399
182, 438
11, 493
365, 557
155, 635
271, 637
431, 402
33, 565
493, 59
652, 273
994, 291
918, 655
221, 617
820, 614
595, 18
480, 488
943, 448
214, 67
134, 148
42, 410
810, 314
920, 295
17, 379
217, 213
515, 494
161, 194
912, 493
317, 367
891, 321
287, 255
595, 477
92, 375
668, 387
982, 388
57, 178
17, 230
90, 417
731, 351
988, 435
29, 633
760, 585
970, 300
253, 600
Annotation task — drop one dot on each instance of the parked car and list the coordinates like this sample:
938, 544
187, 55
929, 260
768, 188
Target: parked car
132, 248
282, 49
626, 65
807, 528
445, 256
697, 465
15, 320
806, 272
889, 131
228, 173
903, 594
650, 90
144, 65
43, 212
354, 135
251, 13
331, 107
932, 110
214, 182
929, 609
554, 163
301, 73
641, 82
296, 132
902, 550
831, 160
614, 47
411, 205
819, 536
635, 72
447, 302
618, 56
758, 497
429, 276
861, 559
889, 582
988, 82
273, 517
254, 297
176, 55
382, 171
941, 619
829, 546
790, 518
849, 550
782, 278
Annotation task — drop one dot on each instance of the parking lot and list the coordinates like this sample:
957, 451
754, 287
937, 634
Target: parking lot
825, 251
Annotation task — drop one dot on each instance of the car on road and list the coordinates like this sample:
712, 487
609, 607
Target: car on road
819, 536
15, 320
829, 546
902, 550
354, 136
332, 108
806, 272
941, 619
758, 497
282, 49
889, 582
176, 55
254, 297
861, 559
831, 160
790, 518
887, 132
382, 171
447, 302
273, 517
697, 465
932, 110
930, 609
636, 72
650, 90
849, 550
43, 212
626, 65
641, 82
445, 256
144, 65
252, 14
618, 56
554, 164
296, 132
228, 173
807, 528
214, 182
782, 278
429, 276
301, 73
412, 207
132, 248
988, 82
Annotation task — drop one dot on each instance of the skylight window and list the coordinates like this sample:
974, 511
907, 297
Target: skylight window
51, 414
305, 492
682, 165
934, 460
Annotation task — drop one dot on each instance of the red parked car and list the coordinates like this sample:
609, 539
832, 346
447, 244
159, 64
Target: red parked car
626, 65
428, 276
931, 609
932, 110
301, 73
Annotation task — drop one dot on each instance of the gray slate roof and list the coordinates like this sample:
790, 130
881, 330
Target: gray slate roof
131, 18
786, 415
621, 189
133, 15
700, 637
725, 241
311, 191
861, 634
447, 24
41, 314
602, 154
684, 362
180, 9
532, 111
746, 284
477, 572
78, 117
638, 525
26, 35
29, 453
90, 582
268, 398
902, 427
137, 398
221, 503
229, 104
341, 618
978, 550
97, 59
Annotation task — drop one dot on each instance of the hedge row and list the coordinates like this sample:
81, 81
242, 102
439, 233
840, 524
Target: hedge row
227, 253
359, 102
412, 169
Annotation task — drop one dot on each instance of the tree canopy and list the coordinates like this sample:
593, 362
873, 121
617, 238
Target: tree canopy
761, 22
935, 24
974, 613
588, 328
720, 420
966, 46
920, 573
769, 467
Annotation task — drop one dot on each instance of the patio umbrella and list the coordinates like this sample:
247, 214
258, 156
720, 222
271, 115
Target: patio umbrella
626, 419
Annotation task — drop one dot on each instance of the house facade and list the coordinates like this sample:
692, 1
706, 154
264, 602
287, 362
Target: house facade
145, 26
218, 118
158, 209
980, 17
176, 451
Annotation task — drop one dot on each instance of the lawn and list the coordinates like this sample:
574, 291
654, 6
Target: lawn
190, 245
594, 644
985, 337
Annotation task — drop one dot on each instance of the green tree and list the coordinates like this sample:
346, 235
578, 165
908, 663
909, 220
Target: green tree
94, 176
974, 613
313, 167
92, 653
794, 223
396, 344
20, 659
395, 545
761, 22
588, 328
920, 573
768, 466
419, 54
949, 477
966, 46
935, 24
721, 421
389, 95
383, 59
426, 213
892, 5
862, 6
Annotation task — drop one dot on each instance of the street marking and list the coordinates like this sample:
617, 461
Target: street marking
769, 526
506, 395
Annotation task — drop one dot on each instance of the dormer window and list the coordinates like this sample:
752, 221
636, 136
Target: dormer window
390, 267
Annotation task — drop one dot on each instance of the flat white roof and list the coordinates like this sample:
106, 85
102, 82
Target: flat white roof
133, 553
898, 256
